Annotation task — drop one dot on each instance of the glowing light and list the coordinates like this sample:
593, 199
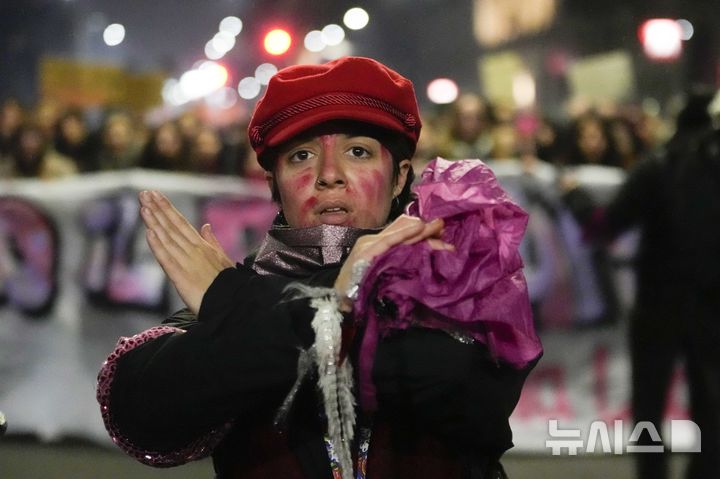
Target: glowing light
333, 34
200, 82
356, 18
177, 96
114, 34
264, 72
168, 89
231, 25
314, 41
249, 88
523, 88
223, 98
661, 38
215, 75
687, 29
212, 53
191, 84
442, 91
223, 42
334, 52
277, 42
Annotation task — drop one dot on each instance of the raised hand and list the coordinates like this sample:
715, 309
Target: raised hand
404, 230
191, 260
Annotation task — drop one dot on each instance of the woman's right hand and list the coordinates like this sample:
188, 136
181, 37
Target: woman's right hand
404, 230
191, 259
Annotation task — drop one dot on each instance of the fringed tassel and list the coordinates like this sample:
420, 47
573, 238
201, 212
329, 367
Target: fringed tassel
305, 363
346, 398
335, 379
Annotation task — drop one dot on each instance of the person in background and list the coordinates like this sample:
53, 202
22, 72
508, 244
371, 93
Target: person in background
34, 156
548, 142
590, 142
626, 141
119, 148
73, 140
504, 142
189, 124
469, 126
206, 151
238, 157
427, 145
46, 116
674, 198
11, 118
165, 149
229, 376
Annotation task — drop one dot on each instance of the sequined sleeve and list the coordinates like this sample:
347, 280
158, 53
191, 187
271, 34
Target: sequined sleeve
169, 395
197, 449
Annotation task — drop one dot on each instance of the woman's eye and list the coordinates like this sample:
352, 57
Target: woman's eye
300, 155
359, 152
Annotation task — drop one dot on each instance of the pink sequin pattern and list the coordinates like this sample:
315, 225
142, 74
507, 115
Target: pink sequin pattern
197, 449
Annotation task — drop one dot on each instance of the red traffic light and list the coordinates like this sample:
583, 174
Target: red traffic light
277, 41
661, 38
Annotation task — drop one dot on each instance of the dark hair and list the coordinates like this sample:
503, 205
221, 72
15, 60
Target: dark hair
694, 115
400, 147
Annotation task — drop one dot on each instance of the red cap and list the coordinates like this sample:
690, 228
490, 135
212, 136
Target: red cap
351, 88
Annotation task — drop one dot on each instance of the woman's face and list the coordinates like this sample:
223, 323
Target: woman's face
337, 179
592, 141
168, 141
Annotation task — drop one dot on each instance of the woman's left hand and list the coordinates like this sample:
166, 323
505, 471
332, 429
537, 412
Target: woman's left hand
191, 260
404, 230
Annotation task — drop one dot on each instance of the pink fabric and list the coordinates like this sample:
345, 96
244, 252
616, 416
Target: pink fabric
196, 450
479, 289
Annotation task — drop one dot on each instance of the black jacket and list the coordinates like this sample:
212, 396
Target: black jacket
236, 362
674, 198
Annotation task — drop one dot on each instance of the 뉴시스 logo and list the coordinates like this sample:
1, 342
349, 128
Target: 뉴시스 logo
684, 437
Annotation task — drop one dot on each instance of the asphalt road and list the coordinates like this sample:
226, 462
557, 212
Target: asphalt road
27, 459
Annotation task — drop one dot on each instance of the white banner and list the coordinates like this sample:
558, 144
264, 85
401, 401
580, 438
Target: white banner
76, 273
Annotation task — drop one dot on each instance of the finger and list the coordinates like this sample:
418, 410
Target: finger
402, 221
175, 272
145, 198
432, 229
164, 238
438, 244
172, 219
156, 212
208, 235
165, 259
387, 240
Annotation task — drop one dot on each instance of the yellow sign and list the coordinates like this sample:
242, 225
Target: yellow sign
499, 21
498, 73
84, 84
601, 78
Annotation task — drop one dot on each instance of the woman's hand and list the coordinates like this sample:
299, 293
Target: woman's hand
404, 230
191, 260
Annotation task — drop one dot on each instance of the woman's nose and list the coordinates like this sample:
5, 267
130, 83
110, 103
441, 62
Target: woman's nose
330, 172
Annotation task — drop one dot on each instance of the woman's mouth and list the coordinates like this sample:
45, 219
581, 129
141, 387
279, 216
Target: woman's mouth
335, 209
333, 214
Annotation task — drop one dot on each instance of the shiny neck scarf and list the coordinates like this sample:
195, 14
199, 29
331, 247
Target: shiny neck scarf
299, 252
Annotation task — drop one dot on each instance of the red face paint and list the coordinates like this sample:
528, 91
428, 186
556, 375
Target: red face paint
308, 206
335, 179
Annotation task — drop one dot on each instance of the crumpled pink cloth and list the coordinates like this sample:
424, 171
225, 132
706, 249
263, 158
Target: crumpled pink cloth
478, 290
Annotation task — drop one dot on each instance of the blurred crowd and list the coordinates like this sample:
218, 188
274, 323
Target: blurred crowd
49, 141
472, 127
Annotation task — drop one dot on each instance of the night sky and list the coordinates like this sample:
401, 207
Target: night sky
423, 39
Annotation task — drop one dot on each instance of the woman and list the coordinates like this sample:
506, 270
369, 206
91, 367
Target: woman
165, 149
226, 376
34, 156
